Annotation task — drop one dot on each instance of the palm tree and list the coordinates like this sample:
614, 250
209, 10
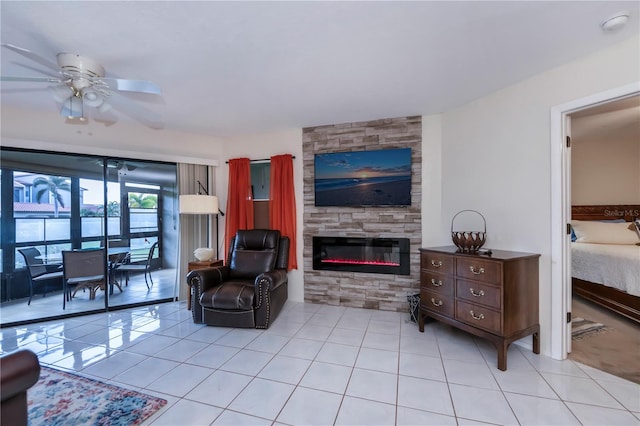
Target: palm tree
143, 201
113, 209
52, 185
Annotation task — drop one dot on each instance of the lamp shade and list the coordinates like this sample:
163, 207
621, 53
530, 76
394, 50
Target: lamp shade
72, 107
199, 204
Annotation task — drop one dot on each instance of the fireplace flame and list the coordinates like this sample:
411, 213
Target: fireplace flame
360, 262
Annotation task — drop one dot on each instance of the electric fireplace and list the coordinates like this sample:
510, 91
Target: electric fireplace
373, 255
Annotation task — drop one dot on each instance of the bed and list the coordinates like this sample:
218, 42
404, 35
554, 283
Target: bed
607, 274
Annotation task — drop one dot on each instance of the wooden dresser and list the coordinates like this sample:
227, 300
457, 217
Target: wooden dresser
494, 296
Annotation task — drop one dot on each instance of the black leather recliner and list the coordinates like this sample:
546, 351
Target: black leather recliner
250, 290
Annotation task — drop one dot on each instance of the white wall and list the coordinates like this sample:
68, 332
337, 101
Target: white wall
264, 146
496, 155
605, 171
433, 233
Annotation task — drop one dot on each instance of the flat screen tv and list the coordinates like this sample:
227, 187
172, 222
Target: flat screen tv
363, 178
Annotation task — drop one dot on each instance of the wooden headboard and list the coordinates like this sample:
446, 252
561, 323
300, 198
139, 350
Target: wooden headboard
628, 212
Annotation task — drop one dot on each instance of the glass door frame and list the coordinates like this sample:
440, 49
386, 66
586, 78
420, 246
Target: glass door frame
76, 239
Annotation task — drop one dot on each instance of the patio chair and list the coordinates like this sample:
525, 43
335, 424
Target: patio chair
83, 269
39, 273
126, 268
116, 260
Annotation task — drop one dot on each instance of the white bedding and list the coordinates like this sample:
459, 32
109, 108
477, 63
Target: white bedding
613, 265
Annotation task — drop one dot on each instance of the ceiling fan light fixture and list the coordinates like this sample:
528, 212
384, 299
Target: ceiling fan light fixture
61, 93
91, 97
73, 108
104, 107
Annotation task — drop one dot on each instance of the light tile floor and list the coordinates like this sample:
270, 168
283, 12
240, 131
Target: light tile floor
324, 365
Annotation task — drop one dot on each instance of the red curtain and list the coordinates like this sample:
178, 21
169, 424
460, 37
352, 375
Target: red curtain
282, 206
239, 199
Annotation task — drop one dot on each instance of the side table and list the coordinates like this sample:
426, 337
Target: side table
196, 264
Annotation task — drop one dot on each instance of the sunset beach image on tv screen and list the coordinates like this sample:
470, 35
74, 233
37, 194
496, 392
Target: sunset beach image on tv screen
363, 178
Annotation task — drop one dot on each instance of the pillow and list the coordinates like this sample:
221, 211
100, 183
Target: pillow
573, 233
604, 232
635, 225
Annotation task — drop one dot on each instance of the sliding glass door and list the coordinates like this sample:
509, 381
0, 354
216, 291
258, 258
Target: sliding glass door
148, 269
55, 202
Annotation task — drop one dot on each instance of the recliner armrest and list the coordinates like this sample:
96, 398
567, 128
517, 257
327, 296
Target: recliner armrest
200, 281
18, 372
267, 282
206, 278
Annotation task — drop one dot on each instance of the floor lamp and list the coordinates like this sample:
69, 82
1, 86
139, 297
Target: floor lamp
202, 204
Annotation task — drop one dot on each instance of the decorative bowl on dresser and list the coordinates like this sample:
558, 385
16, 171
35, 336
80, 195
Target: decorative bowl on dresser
493, 296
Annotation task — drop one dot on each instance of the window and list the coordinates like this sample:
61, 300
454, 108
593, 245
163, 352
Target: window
44, 214
143, 212
260, 182
92, 208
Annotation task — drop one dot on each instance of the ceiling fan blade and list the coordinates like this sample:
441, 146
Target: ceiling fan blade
135, 111
101, 115
39, 70
33, 56
126, 85
61, 92
22, 90
107, 120
32, 79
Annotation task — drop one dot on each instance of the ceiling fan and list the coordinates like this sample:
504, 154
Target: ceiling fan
81, 82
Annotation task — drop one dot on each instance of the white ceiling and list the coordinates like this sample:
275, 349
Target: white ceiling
228, 68
609, 122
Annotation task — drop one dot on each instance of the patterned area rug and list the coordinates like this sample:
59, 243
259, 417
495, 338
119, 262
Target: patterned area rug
581, 328
61, 398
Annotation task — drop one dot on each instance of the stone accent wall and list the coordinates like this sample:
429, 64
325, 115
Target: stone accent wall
363, 290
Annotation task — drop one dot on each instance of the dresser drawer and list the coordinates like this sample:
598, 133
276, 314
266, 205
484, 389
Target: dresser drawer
442, 284
479, 269
435, 302
437, 262
478, 316
476, 292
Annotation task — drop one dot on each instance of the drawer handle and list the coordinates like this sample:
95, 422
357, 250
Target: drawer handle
436, 265
436, 284
478, 294
476, 317
474, 272
438, 303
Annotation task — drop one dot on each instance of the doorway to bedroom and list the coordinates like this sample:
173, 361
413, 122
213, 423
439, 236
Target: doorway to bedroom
604, 177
